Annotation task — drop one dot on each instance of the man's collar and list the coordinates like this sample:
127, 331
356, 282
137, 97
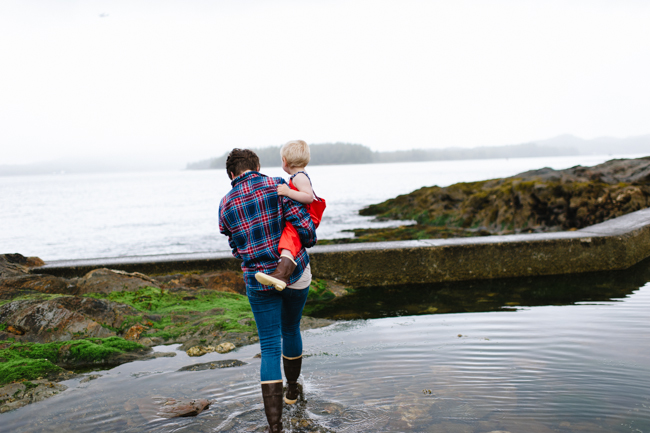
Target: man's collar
244, 176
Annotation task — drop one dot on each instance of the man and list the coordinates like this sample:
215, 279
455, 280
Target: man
252, 215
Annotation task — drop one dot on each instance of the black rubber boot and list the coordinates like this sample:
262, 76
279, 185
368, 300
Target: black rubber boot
280, 277
272, 395
292, 372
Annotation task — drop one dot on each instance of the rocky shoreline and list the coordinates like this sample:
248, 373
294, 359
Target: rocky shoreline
536, 201
51, 327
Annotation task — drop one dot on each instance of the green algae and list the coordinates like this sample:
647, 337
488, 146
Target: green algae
184, 312
26, 369
34, 297
29, 361
318, 291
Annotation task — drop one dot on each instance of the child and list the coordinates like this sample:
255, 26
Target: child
295, 157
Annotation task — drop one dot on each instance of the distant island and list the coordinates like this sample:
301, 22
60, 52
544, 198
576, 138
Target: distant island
350, 153
339, 153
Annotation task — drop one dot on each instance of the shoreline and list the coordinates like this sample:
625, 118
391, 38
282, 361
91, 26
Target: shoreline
612, 245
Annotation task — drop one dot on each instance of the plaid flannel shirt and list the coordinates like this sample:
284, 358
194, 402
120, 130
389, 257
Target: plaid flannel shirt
253, 216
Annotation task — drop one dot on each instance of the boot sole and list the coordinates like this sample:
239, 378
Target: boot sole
268, 280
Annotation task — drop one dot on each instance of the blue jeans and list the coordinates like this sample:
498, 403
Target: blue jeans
277, 315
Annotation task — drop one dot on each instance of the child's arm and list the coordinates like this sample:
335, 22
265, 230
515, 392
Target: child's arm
304, 195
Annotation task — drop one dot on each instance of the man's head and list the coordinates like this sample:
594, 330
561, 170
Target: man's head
240, 160
295, 153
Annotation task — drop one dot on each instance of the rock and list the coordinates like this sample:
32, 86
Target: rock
90, 377
191, 281
535, 201
312, 323
47, 321
12, 265
153, 341
202, 350
108, 280
115, 359
225, 281
227, 363
164, 354
224, 347
134, 332
215, 338
199, 350
146, 341
172, 408
102, 311
34, 262
15, 395
14, 330
19, 285
246, 322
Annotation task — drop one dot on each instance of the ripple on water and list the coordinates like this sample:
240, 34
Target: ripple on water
540, 369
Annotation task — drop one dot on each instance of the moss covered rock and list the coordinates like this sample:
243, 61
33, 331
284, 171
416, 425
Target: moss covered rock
534, 201
27, 361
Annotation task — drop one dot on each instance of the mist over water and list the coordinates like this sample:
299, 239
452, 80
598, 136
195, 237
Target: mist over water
76, 216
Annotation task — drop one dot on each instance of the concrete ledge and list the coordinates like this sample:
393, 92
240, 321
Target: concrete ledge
614, 244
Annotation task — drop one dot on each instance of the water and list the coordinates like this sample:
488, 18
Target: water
58, 217
552, 354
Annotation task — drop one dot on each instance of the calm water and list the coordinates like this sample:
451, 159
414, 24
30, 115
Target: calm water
60, 217
556, 354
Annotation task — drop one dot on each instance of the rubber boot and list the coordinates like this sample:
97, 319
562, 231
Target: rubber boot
292, 372
272, 395
280, 277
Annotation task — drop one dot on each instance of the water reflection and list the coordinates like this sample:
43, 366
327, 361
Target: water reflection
484, 295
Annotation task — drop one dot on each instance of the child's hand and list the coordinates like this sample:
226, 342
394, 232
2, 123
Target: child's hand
283, 189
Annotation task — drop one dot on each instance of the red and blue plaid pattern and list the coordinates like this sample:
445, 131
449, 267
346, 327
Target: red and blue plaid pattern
252, 215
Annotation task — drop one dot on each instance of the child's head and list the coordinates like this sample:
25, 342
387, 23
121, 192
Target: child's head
295, 153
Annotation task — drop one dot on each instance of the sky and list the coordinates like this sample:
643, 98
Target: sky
180, 81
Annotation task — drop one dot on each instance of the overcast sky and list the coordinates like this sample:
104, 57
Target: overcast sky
187, 80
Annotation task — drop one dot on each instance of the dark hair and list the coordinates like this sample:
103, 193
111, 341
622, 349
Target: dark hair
240, 160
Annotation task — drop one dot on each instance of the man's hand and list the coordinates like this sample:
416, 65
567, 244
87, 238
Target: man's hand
283, 189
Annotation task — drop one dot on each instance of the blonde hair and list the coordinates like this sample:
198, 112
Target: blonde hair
296, 153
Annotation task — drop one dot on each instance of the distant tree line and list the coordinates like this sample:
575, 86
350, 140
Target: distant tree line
321, 154
526, 150
348, 153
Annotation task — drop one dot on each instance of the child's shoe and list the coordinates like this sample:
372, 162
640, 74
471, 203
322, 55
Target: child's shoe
280, 277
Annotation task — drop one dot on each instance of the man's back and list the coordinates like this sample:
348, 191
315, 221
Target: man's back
252, 216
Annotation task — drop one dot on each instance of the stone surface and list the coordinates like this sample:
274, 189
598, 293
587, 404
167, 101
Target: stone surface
90, 377
226, 363
313, 323
16, 395
605, 247
214, 339
535, 201
202, 350
19, 285
101, 311
47, 321
172, 408
105, 280
221, 281
615, 244
13, 265
133, 333
225, 281
163, 264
